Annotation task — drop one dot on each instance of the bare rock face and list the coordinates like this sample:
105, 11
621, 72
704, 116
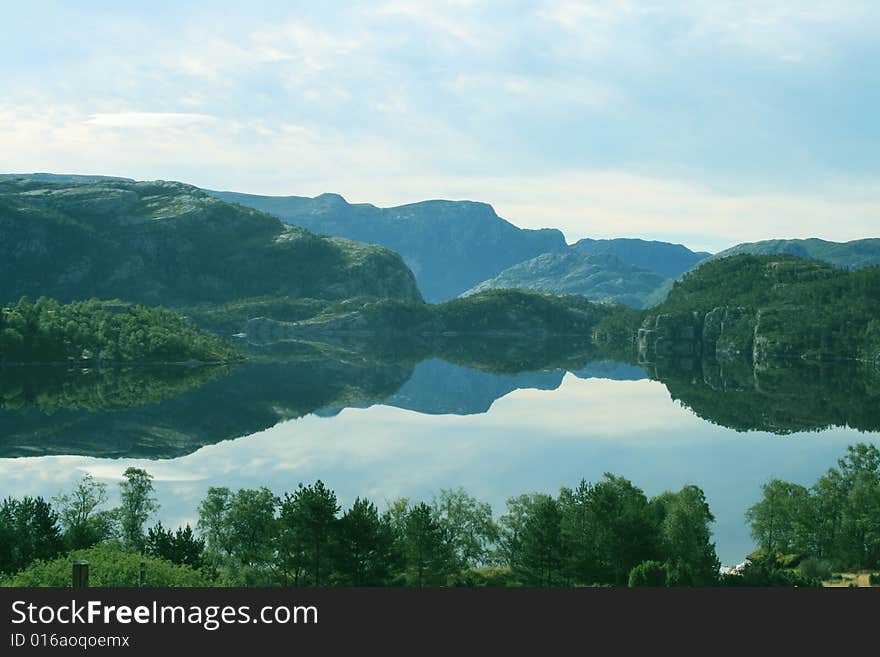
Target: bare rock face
670, 337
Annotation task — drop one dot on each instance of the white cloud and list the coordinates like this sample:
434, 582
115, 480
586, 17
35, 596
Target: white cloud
303, 159
147, 120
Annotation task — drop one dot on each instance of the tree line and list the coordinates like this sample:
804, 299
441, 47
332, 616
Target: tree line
603, 533
46, 331
833, 525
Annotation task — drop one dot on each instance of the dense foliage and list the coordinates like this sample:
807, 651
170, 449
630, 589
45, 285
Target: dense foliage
53, 389
111, 565
521, 311
593, 534
46, 331
602, 533
837, 520
781, 306
794, 397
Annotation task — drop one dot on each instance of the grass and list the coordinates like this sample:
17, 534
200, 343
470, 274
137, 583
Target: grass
861, 579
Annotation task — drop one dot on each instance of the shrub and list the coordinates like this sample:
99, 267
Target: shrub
816, 568
111, 566
649, 573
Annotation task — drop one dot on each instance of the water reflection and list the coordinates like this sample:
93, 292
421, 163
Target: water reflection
394, 427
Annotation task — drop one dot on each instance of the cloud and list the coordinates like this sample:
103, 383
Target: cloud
147, 120
303, 159
713, 121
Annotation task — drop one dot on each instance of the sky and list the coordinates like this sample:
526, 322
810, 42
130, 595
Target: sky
702, 122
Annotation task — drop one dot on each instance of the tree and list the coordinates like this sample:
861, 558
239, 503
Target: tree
181, 546
365, 546
578, 535
778, 521
430, 559
241, 533
511, 526
137, 504
685, 537
541, 548
622, 526
253, 527
213, 526
28, 531
857, 486
469, 526
308, 523
83, 523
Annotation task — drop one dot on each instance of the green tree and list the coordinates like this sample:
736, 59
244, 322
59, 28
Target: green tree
623, 527
541, 550
181, 546
84, 524
511, 526
779, 520
469, 526
28, 531
240, 531
365, 546
308, 526
578, 535
685, 537
138, 503
430, 559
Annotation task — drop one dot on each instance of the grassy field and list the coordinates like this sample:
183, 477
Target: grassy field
860, 580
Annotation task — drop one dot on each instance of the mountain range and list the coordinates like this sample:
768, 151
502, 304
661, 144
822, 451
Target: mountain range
78, 236
461, 247
449, 245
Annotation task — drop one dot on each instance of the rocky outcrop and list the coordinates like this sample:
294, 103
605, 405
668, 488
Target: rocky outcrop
722, 334
670, 336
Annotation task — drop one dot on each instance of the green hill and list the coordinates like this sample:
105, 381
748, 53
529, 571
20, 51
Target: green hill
851, 255
167, 243
765, 307
596, 277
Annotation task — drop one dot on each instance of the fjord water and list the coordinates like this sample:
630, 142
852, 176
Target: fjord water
391, 430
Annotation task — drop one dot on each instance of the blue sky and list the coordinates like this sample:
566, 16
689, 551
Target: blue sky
707, 123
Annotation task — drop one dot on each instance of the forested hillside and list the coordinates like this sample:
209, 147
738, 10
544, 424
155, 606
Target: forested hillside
762, 307
102, 331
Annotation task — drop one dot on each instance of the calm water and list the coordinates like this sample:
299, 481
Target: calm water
404, 431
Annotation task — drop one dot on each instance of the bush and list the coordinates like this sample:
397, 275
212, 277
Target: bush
112, 566
816, 568
649, 573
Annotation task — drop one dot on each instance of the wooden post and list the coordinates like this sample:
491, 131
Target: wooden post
80, 574
142, 579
